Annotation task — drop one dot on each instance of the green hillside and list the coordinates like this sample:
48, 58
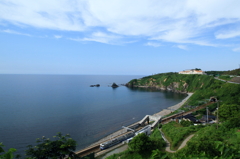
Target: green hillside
217, 141
203, 86
233, 72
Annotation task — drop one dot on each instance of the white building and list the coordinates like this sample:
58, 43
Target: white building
192, 71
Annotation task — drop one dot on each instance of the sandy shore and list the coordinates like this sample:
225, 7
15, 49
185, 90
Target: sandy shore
173, 108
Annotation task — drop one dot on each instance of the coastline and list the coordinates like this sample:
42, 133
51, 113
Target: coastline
173, 108
161, 113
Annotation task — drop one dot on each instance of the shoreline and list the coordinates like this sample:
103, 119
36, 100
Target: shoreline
169, 110
161, 113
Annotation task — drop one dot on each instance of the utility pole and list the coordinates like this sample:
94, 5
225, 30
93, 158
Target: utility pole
207, 115
217, 112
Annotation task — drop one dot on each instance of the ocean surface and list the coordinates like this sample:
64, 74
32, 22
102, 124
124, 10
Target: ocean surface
32, 106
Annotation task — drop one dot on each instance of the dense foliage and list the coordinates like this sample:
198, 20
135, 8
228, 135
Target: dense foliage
203, 87
61, 147
144, 144
210, 142
141, 144
219, 73
174, 81
229, 111
142, 147
186, 123
214, 73
233, 72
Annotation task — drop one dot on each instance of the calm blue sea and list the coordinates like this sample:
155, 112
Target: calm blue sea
32, 106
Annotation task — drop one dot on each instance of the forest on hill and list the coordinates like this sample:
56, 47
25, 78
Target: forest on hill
235, 72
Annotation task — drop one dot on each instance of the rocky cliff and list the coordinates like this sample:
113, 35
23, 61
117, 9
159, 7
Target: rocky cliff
173, 82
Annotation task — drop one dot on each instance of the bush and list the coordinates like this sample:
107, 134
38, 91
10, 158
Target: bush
186, 123
60, 148
141, 144
7, 155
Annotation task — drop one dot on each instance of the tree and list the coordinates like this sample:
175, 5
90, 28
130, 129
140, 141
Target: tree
229, 111
141, 144
186, 123
61, 147
157, 154
232, 123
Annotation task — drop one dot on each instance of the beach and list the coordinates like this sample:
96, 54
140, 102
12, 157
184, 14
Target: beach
165, 112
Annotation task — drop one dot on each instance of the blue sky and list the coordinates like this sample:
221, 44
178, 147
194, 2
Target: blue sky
118, 37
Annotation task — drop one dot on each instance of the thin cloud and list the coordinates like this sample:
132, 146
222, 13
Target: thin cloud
100, 37
183, 47
154, 44
14, 32
236, 49
228, 34
58, 36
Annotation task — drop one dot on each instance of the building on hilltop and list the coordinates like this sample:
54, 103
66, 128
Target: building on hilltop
192, 71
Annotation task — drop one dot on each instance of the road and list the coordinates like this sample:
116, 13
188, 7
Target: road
225, 80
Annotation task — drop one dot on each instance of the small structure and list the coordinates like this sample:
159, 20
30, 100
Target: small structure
208, 119
192, 71
146, 130
188, 117
144, 120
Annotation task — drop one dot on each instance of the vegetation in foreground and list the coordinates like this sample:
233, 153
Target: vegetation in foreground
60, 148
141, 147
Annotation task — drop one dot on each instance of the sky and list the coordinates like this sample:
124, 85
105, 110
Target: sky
118, 37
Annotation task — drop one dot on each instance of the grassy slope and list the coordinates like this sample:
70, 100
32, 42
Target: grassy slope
203, 86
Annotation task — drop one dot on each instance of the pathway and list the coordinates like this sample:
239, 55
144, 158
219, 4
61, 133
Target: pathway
226, 81
180, 147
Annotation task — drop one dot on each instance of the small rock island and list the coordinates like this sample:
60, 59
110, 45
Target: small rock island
114, 85
96, 85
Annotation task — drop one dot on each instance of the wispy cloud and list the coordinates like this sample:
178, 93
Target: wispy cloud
228, 34
184, 47
236, 49
154, 44
100, 37
14, 32
58, 36
180, 22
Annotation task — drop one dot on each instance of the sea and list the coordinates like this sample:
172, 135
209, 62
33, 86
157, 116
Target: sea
32, 106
